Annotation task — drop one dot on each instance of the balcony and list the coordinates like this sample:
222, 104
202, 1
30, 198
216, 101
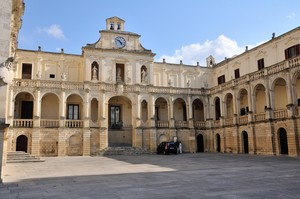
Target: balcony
23, 123
200, 124
162, 124
181, 124
47, 123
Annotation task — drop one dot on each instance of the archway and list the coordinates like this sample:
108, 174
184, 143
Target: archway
245, 142
283, 141
280, 94
218, 143
200, 143
22, 143
260, 98
119, 122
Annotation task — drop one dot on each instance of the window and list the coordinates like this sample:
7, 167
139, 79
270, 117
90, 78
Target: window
260, 64
52, 76
73, 112
293, 51
26, 71
115, 117
221, 79
236, 73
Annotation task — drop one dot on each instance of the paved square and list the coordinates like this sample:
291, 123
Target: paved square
204, 175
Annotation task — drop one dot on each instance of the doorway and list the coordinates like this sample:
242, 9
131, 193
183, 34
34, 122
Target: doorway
200, 143
218, 142
283, 141
22, 143
245, 142
27, 110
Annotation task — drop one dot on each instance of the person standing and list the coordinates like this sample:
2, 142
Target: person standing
180, 147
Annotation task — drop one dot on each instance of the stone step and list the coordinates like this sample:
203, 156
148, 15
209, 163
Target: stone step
121, 151
21, 157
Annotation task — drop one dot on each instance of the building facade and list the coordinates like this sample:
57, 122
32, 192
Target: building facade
114, 94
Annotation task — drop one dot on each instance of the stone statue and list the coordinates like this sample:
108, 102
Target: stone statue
94, 73
144, 75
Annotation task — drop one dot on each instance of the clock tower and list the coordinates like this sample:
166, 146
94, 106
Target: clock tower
118, 56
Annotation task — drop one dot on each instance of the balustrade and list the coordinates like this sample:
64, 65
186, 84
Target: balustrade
162, 124
229, 121
49, 123
181, 124
259, 117
243, 119
278, 114
74, 123
199, 124
26, 123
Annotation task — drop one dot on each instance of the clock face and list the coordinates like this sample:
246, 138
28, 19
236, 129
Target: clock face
120, 42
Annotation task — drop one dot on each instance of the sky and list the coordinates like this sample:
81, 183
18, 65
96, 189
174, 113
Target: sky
188, 30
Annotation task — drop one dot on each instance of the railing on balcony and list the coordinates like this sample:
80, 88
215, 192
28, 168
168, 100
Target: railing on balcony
25, 123
162, 124
49, 123
278, 114
243, 119
181, 124
200, 124
216, 123
74, 123
229, 121
259, 117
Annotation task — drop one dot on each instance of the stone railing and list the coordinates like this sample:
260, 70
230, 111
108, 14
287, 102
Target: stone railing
181, 124
229, 121
26, 123
199, 124
257, 75
74, 123
216, 123
278, 114
243, 119
162, 124
259, 117
48, 123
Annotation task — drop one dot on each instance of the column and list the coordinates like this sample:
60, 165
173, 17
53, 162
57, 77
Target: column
62, 109
86, 143
151, 112
190, 112
250, 103
269, 101
87, 108
171, 114
37, 109
290, 97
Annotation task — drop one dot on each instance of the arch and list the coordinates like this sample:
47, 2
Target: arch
296, 87
24, 104
280, 94
229, 105
22, 143
198, 110
259, 98
243, 102
144, 111
120, 121
283, 141
162, 138
245, 142
94, 71
200, 143
50, 106
217, 108
74, 110
218, 143
179, 110
75, 145
161, 109
94, 110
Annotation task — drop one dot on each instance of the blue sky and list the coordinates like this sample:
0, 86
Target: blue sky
189, 30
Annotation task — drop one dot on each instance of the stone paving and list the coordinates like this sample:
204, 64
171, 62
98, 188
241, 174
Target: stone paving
203, 175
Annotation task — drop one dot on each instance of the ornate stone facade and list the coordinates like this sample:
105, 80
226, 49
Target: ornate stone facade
114, 94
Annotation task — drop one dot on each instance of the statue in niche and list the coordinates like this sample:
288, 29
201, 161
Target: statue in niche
95, 73
119, 71
188, 83
144, 75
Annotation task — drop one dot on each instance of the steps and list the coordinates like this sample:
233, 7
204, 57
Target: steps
21, 157
121, 151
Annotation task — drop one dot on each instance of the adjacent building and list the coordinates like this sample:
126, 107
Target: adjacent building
115, 95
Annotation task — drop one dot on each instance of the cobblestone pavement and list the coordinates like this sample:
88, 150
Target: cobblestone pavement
203, 175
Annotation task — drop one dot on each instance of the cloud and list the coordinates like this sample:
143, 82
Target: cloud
291, 16
219, 48
54, 31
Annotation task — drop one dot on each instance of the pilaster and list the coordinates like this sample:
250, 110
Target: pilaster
35, 142
86, 143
